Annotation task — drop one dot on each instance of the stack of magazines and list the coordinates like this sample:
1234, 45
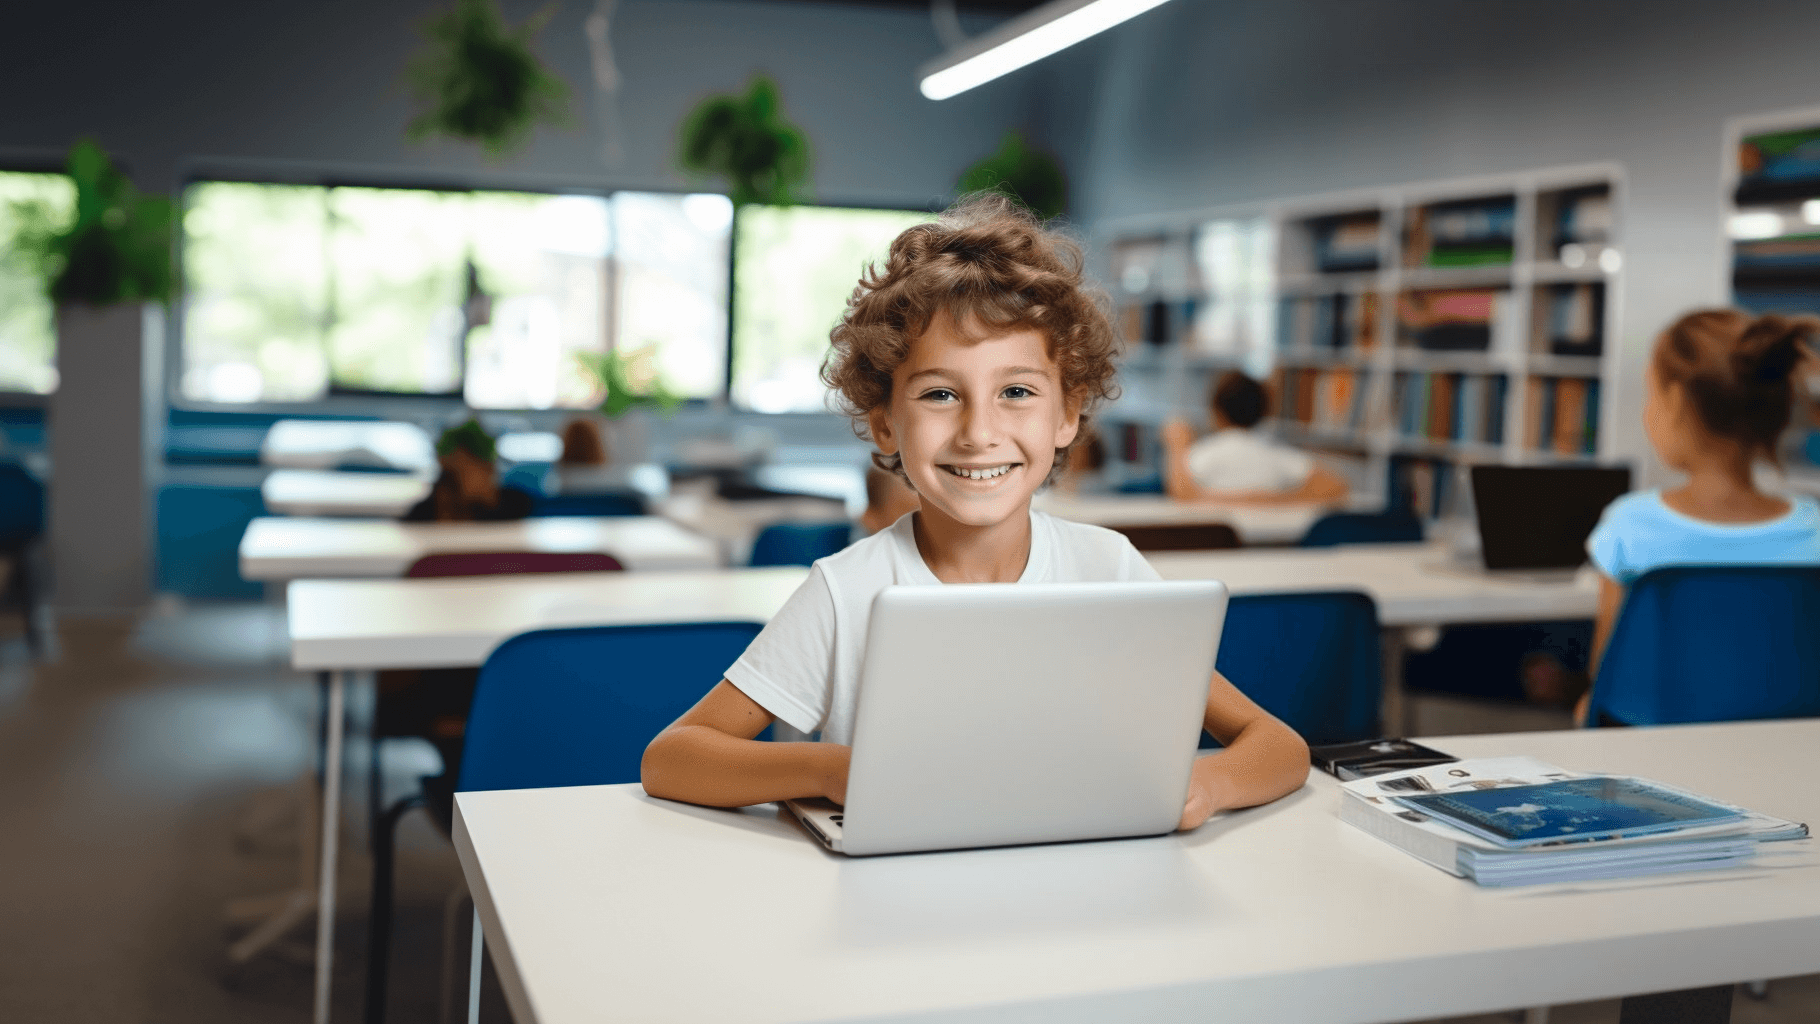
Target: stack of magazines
1519, 821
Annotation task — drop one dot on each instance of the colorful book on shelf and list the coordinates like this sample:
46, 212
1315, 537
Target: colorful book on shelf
1589, 432
1570, 415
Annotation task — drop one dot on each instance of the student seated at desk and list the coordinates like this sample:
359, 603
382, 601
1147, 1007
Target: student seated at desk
1235, 464
468, 488
970, 359
1718, 397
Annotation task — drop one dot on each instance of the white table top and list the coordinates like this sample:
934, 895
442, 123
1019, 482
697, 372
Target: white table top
1255, 524
285, 548
325, 444
1413, 584
602, 903
321, 492
375, 624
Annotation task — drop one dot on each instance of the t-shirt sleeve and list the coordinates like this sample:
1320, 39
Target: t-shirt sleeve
1607, 547
789, 667
1293, 467
1135, 568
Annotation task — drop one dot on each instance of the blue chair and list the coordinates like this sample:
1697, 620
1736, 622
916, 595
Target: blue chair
798, 543
1363, 528
199, 531
1713, 644
1312, 660
561, 707
21, 524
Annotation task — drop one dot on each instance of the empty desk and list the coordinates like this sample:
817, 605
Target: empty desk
326, 444
320, 492
1256, 524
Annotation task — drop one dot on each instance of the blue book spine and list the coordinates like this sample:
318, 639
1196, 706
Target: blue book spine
1591, 433
1545, 429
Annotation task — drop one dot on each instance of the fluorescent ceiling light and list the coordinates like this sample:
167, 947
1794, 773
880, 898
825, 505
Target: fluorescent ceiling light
1026, 39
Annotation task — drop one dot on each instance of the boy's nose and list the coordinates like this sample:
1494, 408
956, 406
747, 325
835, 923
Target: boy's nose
980, 426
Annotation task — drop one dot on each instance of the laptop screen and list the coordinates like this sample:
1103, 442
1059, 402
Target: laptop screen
1538, 517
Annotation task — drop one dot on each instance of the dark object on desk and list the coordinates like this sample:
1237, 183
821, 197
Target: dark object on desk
1348, 761
1713, 644
1312, 660
1174, 537
604, 503
1538, 517
1401, 527
497, 563
512, 504
21, 524
798, 543
544, 714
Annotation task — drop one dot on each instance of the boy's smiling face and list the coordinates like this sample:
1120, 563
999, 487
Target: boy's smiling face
977, 421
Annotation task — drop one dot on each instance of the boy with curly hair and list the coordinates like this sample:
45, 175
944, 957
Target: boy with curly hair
971, 359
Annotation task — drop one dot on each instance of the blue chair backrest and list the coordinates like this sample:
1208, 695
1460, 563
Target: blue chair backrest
1713, 644
605, 503
199, 531
576, 707
530, 477
798, 543
1363, 528
21, 506
1312, 660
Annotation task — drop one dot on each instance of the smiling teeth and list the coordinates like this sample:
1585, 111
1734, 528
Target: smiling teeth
980, 474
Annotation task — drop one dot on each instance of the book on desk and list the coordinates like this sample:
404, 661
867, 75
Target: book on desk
1400, 808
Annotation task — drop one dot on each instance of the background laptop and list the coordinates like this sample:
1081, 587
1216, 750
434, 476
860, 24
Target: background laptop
1001, 714
1535, 519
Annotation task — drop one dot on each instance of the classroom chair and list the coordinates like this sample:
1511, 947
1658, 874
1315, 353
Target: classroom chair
21, 524
1173, 537
798, 543
561, 707
1713, 644
496, 563
1363, 528
604, 503
1313, 660
199, 531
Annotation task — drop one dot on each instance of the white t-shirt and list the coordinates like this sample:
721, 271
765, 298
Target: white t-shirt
1236, 459
804, 667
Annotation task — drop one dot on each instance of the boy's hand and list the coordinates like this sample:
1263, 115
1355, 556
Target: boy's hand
1177, 433
1203, 799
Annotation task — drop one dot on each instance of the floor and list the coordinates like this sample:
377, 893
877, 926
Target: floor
148, 774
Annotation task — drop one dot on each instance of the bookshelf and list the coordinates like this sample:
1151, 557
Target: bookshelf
1406, 333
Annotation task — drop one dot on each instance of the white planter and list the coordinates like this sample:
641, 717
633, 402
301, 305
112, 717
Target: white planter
105, 425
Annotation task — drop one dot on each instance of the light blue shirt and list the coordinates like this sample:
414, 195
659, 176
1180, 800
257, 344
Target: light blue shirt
1638, 532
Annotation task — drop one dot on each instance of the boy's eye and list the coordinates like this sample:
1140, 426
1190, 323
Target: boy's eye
1018, 391
939, 395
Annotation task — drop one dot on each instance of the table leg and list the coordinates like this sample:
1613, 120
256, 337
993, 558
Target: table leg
1688, 1006
476, 958
331, 835
1393, 711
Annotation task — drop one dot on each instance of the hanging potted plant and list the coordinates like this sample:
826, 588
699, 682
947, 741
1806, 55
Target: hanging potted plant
1030, 176
480, 82
628, 381
107, 267
749, 143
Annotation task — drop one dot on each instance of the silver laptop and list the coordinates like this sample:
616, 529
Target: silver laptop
1002, 714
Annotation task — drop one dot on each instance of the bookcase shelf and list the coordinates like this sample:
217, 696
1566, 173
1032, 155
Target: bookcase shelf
1420, 328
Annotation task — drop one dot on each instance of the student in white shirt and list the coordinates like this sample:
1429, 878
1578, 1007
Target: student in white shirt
970, 359
1234, 464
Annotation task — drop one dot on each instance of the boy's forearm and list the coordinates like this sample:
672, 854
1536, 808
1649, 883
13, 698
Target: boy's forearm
1265, 762
700, 765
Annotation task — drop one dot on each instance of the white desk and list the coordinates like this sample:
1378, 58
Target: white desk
1411, 583
321, 492
601, 903
294, 548
338, 626
326, 444
1255, 524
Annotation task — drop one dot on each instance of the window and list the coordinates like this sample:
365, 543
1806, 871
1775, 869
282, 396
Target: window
293, 292
28, 319
794, 268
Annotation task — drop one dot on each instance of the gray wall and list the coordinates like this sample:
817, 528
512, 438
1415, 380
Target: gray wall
1208, 102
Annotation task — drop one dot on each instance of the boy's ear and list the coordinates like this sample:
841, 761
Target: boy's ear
882, 436
1071, 419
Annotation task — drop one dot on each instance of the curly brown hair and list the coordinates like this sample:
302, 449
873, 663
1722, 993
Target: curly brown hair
1736, 370
992, 267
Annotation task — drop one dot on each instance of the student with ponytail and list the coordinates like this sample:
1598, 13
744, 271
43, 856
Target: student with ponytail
1719, 392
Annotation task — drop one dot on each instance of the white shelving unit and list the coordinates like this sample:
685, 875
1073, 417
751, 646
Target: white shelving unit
1194, 303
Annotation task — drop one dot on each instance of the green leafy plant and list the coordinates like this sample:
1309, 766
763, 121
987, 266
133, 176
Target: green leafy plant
468, 436
629, 379
117, 246
1030, 176
481, 82
748, 141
